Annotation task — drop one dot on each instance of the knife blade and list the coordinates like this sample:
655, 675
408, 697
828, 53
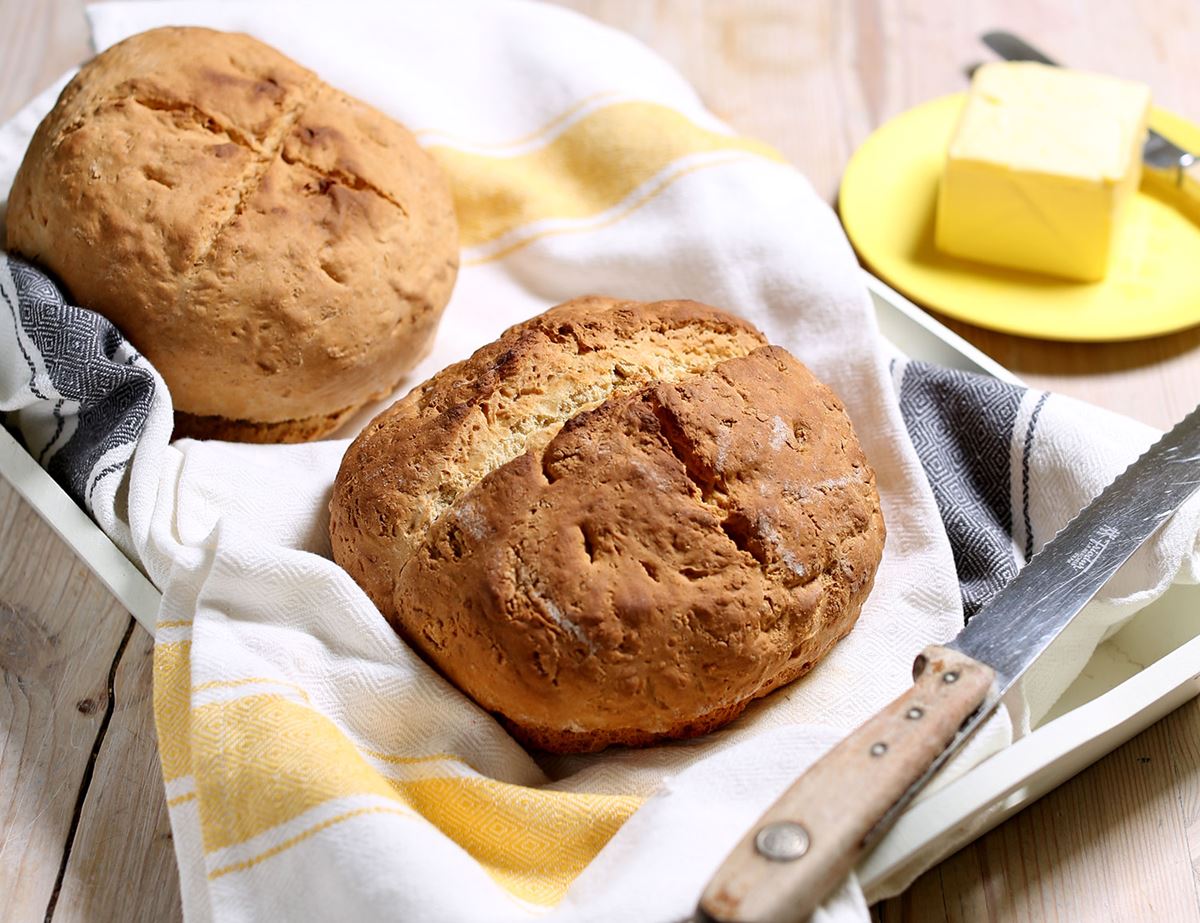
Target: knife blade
1158, 152
808, 840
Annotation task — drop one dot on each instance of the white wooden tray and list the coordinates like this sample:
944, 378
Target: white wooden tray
1149, 668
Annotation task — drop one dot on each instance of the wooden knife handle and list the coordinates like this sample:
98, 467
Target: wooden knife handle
806, 843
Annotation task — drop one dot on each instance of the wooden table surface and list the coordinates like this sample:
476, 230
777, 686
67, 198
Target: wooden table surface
83, 825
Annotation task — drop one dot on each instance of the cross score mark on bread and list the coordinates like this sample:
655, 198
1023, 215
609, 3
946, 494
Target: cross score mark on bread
618, 523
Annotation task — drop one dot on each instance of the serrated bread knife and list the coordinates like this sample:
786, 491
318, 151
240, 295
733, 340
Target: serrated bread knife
805, 844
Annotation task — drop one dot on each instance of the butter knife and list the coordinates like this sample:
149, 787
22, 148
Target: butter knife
1159, 152
805, 844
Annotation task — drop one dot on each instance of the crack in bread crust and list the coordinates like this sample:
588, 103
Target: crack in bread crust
199, 118
346, 178
512, 396
646, 569
246, 185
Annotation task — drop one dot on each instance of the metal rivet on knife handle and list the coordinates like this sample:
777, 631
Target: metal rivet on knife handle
783, 841
841, 799
914, 713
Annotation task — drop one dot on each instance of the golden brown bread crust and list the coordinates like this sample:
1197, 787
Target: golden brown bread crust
415, 459
280, 251
646, 558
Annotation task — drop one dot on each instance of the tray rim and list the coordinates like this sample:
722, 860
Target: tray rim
124, 580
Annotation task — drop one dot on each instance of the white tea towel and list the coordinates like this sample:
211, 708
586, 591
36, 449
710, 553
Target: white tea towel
315, 767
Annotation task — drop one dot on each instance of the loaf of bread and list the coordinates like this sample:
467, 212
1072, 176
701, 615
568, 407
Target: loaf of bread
280, 251
618, 523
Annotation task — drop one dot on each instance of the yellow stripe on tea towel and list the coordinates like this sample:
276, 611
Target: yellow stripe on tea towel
172, 701
640, 197
262, 760
591, 167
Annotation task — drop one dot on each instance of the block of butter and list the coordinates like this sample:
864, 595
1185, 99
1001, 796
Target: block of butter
1041, 167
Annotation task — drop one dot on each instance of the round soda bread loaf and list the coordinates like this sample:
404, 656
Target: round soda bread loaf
618, 523
280, 251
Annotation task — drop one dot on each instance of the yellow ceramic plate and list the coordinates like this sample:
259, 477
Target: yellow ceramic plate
887, 204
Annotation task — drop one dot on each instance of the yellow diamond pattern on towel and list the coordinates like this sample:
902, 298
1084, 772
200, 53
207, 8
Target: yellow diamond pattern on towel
589, 168
262, 760
172, 691
532, 842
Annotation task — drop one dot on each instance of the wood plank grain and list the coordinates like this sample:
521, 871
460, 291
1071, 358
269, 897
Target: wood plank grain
1182, 731
59, 632
125, 807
